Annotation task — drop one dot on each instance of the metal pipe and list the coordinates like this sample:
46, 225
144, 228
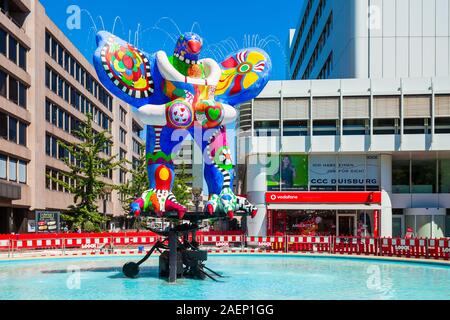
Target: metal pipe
173, 256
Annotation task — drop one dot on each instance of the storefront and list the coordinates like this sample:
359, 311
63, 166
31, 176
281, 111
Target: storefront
324, 213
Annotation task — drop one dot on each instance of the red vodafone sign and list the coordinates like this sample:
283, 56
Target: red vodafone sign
323, 197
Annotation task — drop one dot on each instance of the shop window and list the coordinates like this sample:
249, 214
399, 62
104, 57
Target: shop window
447, 223
423, 226
325, 128
438, 226
356, 127
294, 128
267, 128
385, 126
423, 176
400, 176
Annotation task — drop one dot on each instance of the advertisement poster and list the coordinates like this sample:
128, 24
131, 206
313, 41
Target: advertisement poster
291, 174
322, 173
294, 173
47, 221
351, 173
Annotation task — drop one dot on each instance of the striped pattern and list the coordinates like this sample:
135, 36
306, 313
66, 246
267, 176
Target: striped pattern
157, 138
132, 92
226, 175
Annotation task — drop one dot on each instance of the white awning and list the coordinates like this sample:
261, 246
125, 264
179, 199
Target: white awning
301, 206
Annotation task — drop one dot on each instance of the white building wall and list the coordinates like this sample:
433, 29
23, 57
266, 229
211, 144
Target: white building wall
400, 38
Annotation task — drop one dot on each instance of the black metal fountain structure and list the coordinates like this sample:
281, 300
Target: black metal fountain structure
180, 253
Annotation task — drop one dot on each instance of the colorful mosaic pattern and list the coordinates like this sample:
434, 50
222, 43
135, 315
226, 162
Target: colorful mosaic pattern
127, 68
241, 71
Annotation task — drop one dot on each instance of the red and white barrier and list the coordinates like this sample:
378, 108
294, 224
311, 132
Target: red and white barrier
272, 243
439, 248
220, 240
308, 244
38, 244
5, 244
355, 245
416, 248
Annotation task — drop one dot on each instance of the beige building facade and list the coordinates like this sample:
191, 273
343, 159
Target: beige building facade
47, 87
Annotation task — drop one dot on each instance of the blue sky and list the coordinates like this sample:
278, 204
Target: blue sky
265, 21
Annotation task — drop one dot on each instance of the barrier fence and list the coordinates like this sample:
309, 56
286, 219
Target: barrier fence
389, 247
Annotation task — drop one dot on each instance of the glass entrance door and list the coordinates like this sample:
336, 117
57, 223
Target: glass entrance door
346, 225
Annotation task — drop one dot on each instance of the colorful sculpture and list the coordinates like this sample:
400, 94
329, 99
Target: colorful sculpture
178, 96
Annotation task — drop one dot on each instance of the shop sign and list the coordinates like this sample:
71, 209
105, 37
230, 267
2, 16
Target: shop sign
323, 197
47, 221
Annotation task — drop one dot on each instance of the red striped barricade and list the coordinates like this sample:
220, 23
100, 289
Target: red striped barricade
368, 246
346, 245
221, 241
37, 244
439, 248
86, 242
134, 240
5, 243
274, 243
308, 244
397, 247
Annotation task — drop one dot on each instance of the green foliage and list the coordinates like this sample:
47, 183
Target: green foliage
88, 171
181, 190
135, 187
89, 227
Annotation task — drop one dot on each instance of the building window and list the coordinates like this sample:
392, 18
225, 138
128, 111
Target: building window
400, 176
22, 134
3, 163
22, 57
12, 50
123, 115
12, 170
423, 176
122, 135
3, 81
325, 127
293, 128
12, 134
22, 95
122, 154
3, 41
267, 128
3, 126
385, 126
13, 90
22, 172
442, 125
417, 126
444, 175
355, 127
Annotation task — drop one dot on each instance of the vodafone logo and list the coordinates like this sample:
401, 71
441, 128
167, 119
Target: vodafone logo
273, 197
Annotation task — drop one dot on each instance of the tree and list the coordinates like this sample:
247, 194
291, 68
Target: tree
181, 190
86, 175
139, 183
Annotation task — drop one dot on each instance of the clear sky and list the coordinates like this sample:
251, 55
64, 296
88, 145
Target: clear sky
220, 23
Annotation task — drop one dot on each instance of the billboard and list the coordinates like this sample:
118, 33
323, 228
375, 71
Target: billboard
291, 174
326, 173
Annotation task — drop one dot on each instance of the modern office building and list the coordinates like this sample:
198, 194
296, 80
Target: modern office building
348, 157
370, 39
46, 88
356, 144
